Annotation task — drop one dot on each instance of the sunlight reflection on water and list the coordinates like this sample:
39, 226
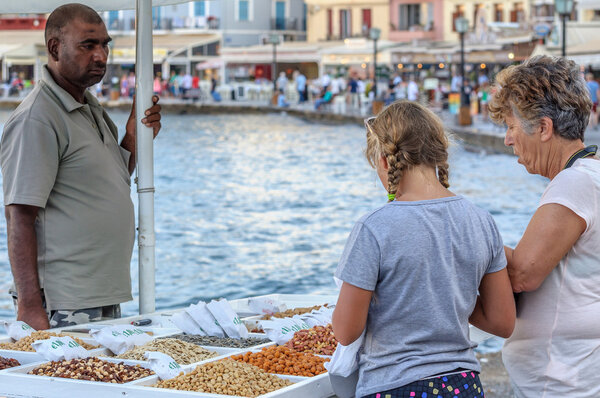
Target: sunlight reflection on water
258, 204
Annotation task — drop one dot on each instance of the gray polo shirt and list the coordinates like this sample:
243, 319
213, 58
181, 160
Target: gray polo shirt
64, 157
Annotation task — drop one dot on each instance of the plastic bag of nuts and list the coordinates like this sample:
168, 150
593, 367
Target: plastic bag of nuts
226, 377
92, 369
282, 360
318, 340
6, 363
24, 344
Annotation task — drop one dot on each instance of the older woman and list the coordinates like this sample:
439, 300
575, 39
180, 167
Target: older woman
555, 348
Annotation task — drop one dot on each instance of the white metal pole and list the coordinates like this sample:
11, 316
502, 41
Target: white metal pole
144, 150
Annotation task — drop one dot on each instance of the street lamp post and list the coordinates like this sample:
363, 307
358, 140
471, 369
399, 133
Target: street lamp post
461, 25
564, 8
374, 34
274, 40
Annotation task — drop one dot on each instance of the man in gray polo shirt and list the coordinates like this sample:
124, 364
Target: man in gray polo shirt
66, 181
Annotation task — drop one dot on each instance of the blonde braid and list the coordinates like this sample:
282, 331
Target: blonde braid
442, 169
407, 134
397, 164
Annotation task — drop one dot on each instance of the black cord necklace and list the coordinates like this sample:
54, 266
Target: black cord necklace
582, 153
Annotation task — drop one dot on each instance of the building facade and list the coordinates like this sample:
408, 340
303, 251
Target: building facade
238, 22
416, 20
486, 15
344, 19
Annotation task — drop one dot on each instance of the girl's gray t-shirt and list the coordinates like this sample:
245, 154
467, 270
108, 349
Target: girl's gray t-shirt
424, 261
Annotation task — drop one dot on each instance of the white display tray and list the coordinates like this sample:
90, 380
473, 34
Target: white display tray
33, 356
25, 358
16, 382
223, 352
303, 387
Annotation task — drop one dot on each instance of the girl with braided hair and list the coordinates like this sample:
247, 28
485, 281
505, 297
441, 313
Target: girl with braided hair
419, 269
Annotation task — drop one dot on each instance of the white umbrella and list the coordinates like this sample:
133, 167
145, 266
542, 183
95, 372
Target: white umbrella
144, 148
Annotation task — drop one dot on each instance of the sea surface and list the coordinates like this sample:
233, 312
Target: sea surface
248, 205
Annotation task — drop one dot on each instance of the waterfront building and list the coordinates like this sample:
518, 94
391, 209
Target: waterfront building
342, 19
237, 22
205, 27
21, 57
583, 32
499, 34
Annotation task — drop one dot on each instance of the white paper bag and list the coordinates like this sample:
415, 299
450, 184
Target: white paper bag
17, 329
59, 348
227, 318
120, 338
205, 319
320, 317
263, 305
163, 365
281, 330
186, 323
345, 358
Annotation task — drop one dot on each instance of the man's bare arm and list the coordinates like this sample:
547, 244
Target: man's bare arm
22, 252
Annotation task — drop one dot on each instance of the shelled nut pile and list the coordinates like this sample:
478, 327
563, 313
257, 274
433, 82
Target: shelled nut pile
24, 344
292, 311
254, 328
226, 377
182, 352
282, 360
318, 340
220, 341
6, 363
92, 369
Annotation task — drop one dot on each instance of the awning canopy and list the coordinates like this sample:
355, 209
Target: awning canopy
287, 52
28, 54
164, 45
357, 51
210, 64
122, 46
46, 6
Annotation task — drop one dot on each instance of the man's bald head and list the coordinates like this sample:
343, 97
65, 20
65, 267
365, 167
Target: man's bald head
67, 13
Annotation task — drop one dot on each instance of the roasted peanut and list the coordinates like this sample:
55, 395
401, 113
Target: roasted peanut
226, 377
318, 340
282, 360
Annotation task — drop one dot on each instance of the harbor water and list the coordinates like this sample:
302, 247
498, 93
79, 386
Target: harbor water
257, 204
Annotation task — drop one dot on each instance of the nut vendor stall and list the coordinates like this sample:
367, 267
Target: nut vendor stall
221, 374
285, 372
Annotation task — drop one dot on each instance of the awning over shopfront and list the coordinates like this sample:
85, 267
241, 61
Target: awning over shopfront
28, 54
164, 46
585, 54
210, 64
357, 52
41, 6
287, 52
